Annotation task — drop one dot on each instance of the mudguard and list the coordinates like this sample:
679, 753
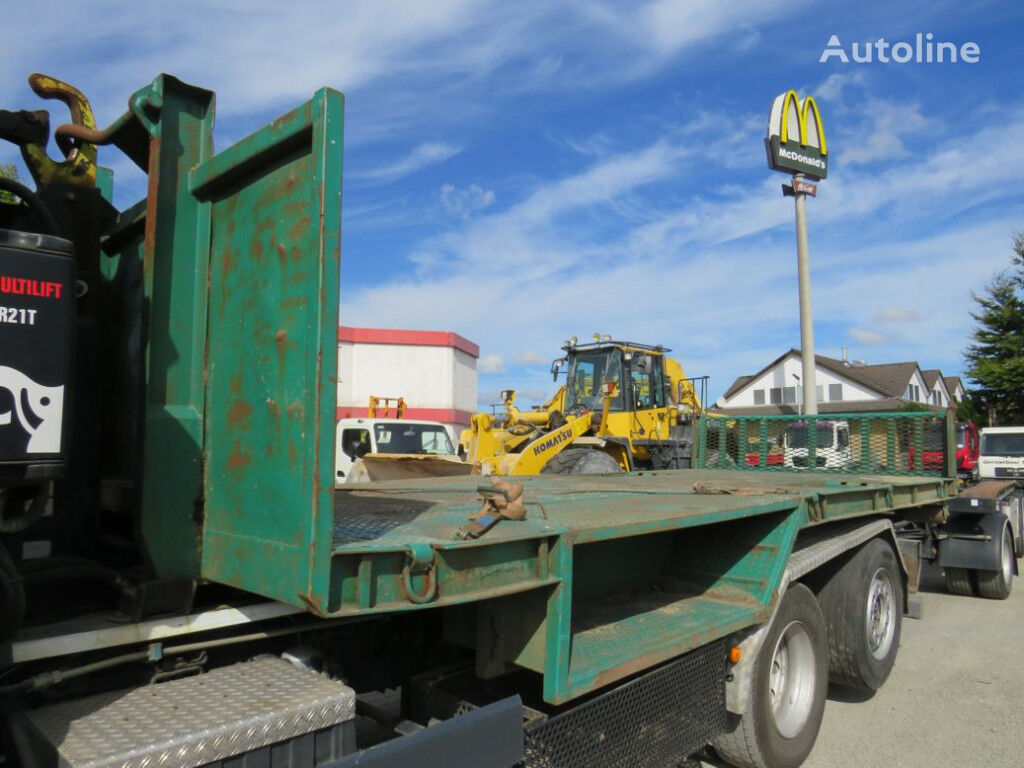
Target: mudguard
972, 541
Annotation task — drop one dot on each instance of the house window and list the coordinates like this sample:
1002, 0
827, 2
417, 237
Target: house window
789, 395
835, 392
821, 393
758, 397
776, 395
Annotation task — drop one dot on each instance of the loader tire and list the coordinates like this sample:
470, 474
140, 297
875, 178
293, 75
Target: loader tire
581, 461
863, 606
996, 585
959, 581
783, 713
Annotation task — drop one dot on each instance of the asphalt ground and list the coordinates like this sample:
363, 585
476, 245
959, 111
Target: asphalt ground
954, 698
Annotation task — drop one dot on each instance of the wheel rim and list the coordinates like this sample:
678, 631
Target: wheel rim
881, 614
1007, 563
791, 680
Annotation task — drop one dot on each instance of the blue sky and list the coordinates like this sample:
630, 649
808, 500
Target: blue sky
523, 172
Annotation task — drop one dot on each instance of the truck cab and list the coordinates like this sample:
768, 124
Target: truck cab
832, 446
1002, 453
967, 450
356, 438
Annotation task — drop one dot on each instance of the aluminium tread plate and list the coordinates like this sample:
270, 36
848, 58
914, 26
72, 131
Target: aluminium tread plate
194, 721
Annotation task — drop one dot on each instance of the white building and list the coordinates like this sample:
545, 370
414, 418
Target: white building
842, 386
434, 371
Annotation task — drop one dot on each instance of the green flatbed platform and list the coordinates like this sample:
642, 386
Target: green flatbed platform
607, 575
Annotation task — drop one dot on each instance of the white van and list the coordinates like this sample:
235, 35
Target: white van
832, 450
1002, 453
357, 437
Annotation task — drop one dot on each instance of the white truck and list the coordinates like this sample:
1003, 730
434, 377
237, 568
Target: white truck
404, 446
832, 449
1002, 453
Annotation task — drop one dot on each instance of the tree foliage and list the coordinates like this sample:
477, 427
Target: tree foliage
8, 171
995, 358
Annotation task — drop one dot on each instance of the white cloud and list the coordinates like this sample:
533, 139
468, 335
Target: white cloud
896, 315
533, 357
490, 364
728, 262
672, 25
865, 336
428, 153
833, 87
882, 138
465, 202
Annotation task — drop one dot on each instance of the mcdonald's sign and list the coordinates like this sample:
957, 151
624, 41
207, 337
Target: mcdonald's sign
796, 138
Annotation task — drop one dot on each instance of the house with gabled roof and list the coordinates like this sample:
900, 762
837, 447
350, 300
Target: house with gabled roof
940, 395
842, 386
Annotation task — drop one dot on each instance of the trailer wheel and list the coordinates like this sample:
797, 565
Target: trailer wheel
581, 461
996, 585
787, 697
959, 581
863, 607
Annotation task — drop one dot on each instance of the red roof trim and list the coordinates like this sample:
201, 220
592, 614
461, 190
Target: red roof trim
447, 415
411, 338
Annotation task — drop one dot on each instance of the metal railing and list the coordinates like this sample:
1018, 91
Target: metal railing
899, 443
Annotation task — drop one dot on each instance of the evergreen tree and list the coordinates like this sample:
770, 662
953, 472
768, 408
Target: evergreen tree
995, 359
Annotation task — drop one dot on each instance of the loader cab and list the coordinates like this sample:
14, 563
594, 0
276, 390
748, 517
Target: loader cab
637, 372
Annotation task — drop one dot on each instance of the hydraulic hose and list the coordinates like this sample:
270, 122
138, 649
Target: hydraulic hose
12, 598
40, 210
28, 518
53, 677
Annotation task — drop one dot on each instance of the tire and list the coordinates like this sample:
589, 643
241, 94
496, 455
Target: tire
581, 461
779, 727
996, 585
960, 581
863, 607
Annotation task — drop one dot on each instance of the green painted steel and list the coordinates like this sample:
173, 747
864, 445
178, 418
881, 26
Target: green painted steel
224, 294
272, 354
606, 575
156, 321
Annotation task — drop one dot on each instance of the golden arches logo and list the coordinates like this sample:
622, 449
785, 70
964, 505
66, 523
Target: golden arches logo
796, 136
810, 134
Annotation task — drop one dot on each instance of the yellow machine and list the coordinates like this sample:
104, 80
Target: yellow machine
623, 406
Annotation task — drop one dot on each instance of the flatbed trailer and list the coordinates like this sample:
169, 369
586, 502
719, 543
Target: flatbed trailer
620, 619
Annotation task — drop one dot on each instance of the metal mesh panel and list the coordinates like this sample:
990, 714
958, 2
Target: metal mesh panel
655, 721
911, 443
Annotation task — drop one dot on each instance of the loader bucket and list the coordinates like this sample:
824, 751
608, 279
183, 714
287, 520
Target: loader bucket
401, 466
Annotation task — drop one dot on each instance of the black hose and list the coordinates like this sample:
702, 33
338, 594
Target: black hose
24, 521
40, 210
12, 598
71, 569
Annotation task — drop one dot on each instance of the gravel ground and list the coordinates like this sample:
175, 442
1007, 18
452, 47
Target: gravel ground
955, 697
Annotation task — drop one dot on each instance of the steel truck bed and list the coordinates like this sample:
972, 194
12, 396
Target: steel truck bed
606, 575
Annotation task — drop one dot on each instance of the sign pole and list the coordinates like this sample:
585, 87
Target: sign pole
806, 314
795, 144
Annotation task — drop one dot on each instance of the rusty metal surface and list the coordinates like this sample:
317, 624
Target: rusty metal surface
592, 507
987, 489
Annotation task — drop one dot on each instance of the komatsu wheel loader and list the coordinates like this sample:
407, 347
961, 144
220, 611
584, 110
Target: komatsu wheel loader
623, 406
